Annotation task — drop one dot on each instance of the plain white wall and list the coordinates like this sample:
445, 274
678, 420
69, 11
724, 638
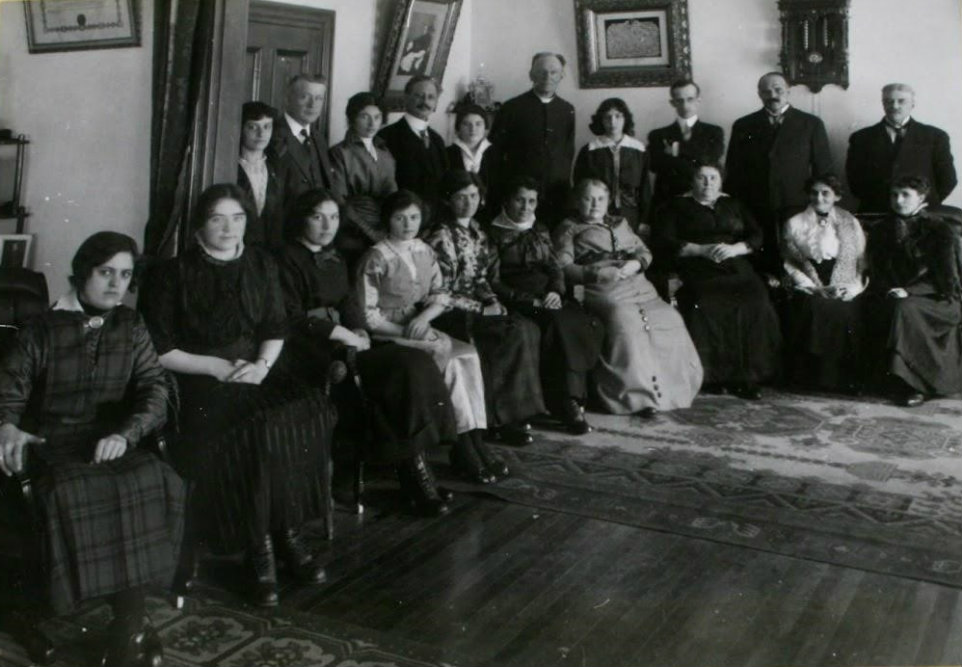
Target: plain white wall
87, 114
733, 42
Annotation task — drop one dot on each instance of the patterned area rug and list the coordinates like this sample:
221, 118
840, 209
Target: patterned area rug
854, 483
220, 632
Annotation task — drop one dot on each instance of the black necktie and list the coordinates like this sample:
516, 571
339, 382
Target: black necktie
898, 134
425, 138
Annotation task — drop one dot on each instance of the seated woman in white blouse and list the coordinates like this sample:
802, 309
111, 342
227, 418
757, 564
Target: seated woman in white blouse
824, 252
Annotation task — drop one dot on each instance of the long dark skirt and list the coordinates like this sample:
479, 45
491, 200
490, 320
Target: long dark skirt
508, 346
405, 407
731, 320
823, 341
108, 527
571, 343
917, 339
259, 455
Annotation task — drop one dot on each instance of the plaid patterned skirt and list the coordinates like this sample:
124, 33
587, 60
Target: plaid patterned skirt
108, 527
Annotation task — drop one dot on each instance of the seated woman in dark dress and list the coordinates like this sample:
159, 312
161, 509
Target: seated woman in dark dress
912, 305
409, 409
507, 343
708, 235
79, 390
253, 438
527, 278
257, 175
824, 252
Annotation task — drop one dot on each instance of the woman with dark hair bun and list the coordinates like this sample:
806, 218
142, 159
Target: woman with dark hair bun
257, 175
507, 343
78, 391
912, 305
400, 288
363, 175
527, 277
824, 252
620, 161
254, 438
707, 237
408, 409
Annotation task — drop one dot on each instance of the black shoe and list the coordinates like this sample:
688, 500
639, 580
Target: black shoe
25, 631
417, 481
132, 644
911, 399
749, 392
573, 417
516, 434
299, 559
260, 558
647, 413
494, 465
714, 388
466, 462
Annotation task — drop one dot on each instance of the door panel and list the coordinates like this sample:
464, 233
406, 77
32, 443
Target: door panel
282, 41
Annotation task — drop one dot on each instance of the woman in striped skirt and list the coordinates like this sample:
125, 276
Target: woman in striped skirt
253, 438
78, 391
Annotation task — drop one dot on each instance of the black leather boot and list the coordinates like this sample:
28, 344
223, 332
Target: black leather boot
260, 558
418, 483
492, 463
573, 417
300, 560
132, 643
467, 463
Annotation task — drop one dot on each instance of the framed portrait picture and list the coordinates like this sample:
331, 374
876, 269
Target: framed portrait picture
69, 25
418, 43
628, 43
15, 250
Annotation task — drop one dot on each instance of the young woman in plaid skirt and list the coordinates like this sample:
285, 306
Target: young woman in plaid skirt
78, 391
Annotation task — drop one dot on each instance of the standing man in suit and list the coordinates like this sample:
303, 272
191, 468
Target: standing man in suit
898, 146
677, 149
534, 135
301, 151
417, 149
772, 152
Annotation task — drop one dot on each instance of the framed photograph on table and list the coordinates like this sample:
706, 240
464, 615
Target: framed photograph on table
417, 43
630, 43
70, 25
15, 250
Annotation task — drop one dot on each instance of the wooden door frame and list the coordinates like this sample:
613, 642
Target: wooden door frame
219, 134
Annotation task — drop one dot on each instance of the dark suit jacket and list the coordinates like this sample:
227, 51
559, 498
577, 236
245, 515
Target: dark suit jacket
419, 169
268, 229
873, 164
673, 174
535, 139
300, 173
767, 169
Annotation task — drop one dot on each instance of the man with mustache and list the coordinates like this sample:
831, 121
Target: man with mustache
301, 150
773, 151
417, 149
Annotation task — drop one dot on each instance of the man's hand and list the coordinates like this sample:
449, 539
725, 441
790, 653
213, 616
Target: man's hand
13, 445
110, 448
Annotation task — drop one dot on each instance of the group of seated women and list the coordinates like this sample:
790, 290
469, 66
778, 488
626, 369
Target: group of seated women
453, 333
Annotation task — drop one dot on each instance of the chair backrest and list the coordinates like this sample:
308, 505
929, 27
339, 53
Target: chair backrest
23, 294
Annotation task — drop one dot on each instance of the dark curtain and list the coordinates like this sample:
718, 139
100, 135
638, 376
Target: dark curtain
183, 44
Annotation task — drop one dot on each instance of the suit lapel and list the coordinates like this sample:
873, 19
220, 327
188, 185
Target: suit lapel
295, 149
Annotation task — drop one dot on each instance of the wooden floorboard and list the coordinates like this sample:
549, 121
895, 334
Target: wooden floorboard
501, 584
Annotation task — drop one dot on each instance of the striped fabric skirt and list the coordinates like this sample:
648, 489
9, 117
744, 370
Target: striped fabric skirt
258, 456
107, 527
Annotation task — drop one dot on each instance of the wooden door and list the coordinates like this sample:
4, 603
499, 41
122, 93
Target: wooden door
282, 41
